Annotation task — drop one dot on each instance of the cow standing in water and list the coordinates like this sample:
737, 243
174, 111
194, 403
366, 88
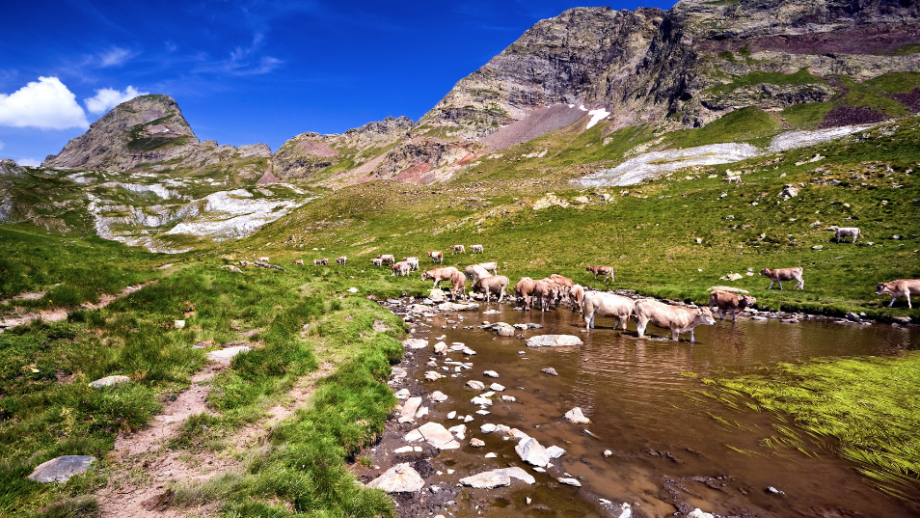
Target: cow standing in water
677, 319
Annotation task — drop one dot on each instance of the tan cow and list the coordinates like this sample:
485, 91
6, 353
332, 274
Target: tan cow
730, 302
576, 298
784, 274
439, 274
492, 284
377, 262
491, 266
263, 259
436, 257
524, 290
564, 283
546, 291
598, 303
413, 262
341, 260
401, 268
321, 262
298, 261
458, 249
476, 249
387, 258
606, 271
475, 272
899, 288
677, 319
457, 285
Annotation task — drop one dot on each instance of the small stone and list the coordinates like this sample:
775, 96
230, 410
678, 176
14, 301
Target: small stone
422, 412
569, 482
698, 513
555, 452
532, 452
438, 397
549, 370
438, 436
554, 341
432, 376
528, 500
452, 414
476, 385
404, 449
608, 453
487, 428
517, 434
228, 353
539, 470
467, 419
491, 455
440, 348
496, 387
477, 443
508, 399
491, 374
108, 381
352, 290
483, 412
61, 468
459, 431
482, 401
403, 394
415, 343
575, 416
775, 491
398, 479
179, 324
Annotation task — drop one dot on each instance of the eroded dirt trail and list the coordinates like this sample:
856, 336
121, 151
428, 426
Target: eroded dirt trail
56, 315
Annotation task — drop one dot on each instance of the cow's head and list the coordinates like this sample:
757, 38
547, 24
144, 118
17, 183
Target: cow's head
748, 301
881, 288
429, 275
764, 271
704, 316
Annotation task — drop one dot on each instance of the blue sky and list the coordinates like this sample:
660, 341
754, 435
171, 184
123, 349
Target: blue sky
244, 72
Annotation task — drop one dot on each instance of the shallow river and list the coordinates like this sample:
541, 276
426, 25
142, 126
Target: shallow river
669, 452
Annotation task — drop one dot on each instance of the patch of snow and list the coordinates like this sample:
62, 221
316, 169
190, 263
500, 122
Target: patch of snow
596, 116
582, 108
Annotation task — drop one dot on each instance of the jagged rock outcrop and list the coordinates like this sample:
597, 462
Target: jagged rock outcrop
308, 153
150, 132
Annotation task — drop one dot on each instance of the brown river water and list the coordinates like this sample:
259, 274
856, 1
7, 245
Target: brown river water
669, 452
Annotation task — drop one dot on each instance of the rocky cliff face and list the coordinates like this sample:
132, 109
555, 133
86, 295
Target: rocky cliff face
150, 133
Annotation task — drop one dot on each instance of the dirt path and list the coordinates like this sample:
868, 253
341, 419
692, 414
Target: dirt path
146, 468
58, 314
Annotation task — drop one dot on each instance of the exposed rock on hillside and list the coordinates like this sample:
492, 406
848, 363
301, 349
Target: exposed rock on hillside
150, 132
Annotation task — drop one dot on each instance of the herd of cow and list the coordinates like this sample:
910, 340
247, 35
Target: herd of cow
556, 289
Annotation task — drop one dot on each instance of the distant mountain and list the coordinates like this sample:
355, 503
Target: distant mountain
149, 133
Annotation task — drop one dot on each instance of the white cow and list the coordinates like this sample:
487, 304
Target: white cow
607, 305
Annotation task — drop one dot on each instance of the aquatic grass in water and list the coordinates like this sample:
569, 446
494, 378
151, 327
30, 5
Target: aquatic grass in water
871, 406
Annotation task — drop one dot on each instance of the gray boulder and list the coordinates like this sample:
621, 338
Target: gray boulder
61, 468
532, 452
398, 479
554, 341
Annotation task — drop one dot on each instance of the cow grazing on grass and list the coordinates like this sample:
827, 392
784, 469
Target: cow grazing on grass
439, 274
576, 298
845, 232
899, 288
413, 262
565, 284
476, 249
779, 275
546, 291
677, 319
476, 272
341, 260
298, 261
492, 266
606, 271
524, 290
387, 258
401, 268
457, 285
263, 259
492, 284
730, 302
458, 249
377, 262
321, 262
436, 257
602, 304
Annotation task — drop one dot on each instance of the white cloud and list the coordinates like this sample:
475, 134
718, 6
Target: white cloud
108, 98
28, 162
47, 104
115, 56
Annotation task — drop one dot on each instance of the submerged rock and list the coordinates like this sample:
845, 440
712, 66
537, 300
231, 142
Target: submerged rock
532, 452
401, 478
436, 435
415, 343
476, 385
61, 468
437, 396
497, 478
569, 481
575, 416
554, 341
551, 371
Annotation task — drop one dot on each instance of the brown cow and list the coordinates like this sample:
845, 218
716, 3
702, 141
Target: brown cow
677, 319
475, 272
565, 284
321, 262
607, 271
401, 268
546, 291
523, 290
576, 298
899, 288
458, 249
730, 302
457, 285
439, 274
784, 274
603, 304
493, 283
341, 260
387, 258
436, 257
298, 261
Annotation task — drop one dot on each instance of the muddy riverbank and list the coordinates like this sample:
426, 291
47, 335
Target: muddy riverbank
655, 442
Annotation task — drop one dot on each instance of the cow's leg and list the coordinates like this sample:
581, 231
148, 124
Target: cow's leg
780, 285
892, 301
721, 316
734, 316
675, 335
801, 284
692, 337
770, 286
838, 238
640, 327
908, 300
501, 295
589, 321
